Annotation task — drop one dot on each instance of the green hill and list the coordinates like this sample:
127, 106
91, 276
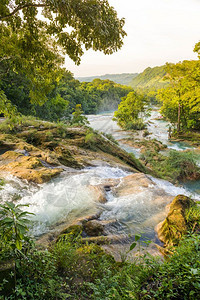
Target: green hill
124, 78
150, 78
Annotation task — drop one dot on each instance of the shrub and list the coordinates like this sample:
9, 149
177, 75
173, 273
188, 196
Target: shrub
176, 166
137, 124
179, 276
185, 164
110, 137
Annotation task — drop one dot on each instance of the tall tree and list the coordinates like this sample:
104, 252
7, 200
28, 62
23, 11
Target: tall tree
181, 100
129, 111
36, 34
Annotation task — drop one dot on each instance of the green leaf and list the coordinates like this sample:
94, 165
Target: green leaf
18, 244
133, 246
7, 220
137, 237
25, 213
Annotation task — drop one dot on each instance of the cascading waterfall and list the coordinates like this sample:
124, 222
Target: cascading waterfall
69, 197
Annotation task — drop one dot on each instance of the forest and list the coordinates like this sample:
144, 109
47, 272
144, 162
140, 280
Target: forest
97, 96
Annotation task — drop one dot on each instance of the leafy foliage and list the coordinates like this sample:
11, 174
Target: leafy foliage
150, 78
71, 269
78, 117
34, 46
179, 276
129, 111
175, 166
181, 100
62, 99
13, 224
94, 24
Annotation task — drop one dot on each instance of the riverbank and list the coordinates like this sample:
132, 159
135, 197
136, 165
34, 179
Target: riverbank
76, 176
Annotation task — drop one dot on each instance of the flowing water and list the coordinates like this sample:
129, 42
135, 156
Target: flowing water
157, 127
69, 196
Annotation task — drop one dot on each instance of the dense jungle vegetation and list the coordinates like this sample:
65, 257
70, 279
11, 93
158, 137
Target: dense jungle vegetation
73, 270
174, 87
150, 78
97, 96
34, 48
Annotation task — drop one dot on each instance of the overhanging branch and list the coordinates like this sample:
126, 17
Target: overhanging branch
2, 18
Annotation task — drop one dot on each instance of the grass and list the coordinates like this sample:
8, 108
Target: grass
191, 136
176, 166
73, 270
7, 126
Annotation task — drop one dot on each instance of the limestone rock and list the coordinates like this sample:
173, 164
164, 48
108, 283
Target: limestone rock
98, 193
132, 184
11, 155
93, 228
174, 226
27, 167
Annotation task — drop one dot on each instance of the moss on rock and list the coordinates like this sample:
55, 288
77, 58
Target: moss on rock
175, 225
29, 168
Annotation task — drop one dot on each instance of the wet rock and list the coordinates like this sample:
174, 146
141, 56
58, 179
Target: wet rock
65, 157
133, 183
98, 193
175, 225
11, 155
107, 188
27, 167
93, 228
110, 182
103, 240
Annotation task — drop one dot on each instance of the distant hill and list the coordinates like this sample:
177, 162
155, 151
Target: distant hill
124, 78
150, 78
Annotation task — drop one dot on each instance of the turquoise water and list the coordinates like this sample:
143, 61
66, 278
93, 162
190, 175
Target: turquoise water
158, 129
193, 186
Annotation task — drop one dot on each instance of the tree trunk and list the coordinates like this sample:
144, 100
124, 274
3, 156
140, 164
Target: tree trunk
179, 117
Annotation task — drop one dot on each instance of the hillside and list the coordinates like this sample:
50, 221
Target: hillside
150, 78
124, 78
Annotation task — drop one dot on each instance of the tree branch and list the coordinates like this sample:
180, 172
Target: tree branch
5, 58
20, 8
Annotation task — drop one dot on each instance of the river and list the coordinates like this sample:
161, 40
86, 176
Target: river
69, 197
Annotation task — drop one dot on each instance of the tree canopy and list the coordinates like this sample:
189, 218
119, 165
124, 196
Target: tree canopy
72, 24
36, 34
128, 115
181, 100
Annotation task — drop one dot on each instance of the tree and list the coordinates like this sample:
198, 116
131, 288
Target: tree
78, 118
65, 24
35, 34
129, 111
181, 100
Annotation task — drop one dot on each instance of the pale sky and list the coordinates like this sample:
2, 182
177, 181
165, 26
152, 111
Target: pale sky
158, 31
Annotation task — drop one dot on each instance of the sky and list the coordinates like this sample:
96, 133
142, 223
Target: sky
158, 31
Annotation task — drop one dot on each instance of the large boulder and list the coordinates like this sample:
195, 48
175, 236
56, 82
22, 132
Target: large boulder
175, 225
133, 183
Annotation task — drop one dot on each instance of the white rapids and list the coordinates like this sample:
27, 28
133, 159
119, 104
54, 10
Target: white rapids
68, 197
